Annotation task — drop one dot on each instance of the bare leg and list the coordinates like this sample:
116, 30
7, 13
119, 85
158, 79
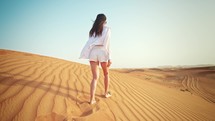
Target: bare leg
95, 73
106, 76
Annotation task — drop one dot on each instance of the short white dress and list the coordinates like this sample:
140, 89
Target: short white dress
97, 48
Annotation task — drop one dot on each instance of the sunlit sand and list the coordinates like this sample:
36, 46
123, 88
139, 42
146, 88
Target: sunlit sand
41, 88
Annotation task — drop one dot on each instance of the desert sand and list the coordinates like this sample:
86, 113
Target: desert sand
41, 88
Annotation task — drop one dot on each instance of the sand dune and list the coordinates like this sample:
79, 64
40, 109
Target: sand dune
34, 87
199, 80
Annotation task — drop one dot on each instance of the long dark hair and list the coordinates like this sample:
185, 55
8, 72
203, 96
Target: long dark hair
98, 25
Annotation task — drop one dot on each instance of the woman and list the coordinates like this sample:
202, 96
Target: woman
97, 51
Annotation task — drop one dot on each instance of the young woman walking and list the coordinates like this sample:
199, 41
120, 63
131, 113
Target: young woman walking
97, 51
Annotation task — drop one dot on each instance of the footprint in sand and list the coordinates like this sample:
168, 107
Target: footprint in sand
86, 108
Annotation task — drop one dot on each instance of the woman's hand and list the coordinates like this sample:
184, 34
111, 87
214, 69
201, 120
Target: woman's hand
109, 63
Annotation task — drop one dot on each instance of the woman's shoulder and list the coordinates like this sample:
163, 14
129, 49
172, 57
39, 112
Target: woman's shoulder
106, 28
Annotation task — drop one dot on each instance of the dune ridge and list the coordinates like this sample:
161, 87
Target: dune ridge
41, 88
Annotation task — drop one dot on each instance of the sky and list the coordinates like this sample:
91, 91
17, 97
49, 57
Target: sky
144, 33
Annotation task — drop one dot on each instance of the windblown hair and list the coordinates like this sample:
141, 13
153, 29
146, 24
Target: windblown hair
98, 25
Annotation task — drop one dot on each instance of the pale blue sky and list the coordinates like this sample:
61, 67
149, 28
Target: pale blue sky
144, 33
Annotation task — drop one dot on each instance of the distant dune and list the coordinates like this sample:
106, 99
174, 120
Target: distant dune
41, 88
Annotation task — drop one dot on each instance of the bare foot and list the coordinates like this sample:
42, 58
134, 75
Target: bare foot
108, 94
92, 102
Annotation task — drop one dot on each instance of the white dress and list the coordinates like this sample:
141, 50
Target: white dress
97, 42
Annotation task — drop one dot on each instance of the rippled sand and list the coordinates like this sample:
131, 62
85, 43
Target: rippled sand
34, 87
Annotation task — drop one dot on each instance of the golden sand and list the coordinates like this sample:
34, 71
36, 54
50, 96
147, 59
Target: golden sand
34, 87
